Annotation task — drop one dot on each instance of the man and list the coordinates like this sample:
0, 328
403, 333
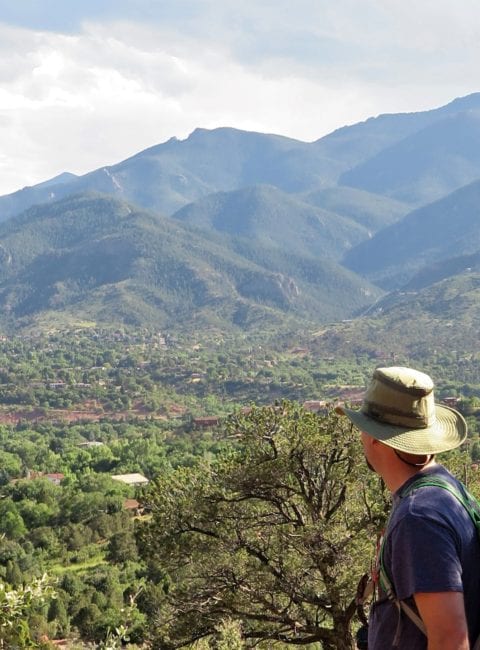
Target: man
431, 550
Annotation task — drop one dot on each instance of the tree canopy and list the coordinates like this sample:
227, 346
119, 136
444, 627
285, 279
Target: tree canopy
274, 534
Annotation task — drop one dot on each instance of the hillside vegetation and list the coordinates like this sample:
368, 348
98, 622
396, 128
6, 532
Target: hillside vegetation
94, 259
445, 229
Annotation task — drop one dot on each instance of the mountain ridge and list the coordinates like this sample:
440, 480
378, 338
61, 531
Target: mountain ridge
426, 165
167, 176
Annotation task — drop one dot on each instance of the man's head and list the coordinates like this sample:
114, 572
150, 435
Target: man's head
399, 410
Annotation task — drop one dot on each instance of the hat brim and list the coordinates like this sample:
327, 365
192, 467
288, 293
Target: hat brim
448, 431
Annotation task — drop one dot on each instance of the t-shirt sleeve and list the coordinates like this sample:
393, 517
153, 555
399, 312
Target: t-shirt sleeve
424, 557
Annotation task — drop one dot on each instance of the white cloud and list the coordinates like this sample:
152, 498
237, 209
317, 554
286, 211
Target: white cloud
74, 102
78, 102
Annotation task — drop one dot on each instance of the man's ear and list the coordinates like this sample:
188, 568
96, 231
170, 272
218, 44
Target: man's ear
369, 439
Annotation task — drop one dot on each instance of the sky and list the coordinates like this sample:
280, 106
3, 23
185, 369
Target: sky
87, 83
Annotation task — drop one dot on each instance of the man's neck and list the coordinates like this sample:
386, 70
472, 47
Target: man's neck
399, 472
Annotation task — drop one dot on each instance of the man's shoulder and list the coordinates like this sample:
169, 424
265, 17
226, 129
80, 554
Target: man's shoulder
437, 481
435, 499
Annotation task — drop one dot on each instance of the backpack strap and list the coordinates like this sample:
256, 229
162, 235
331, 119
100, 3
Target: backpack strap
473, 508
401, 605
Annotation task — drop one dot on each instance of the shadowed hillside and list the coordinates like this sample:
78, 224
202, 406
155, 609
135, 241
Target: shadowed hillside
267, 215
426, 165
445, 229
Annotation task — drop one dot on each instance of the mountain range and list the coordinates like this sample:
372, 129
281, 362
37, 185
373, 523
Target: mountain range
229, 228
91, 258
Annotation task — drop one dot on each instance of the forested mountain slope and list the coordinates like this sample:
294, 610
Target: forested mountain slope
444, 229
93, 258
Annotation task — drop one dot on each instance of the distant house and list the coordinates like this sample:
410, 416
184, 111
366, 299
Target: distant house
133, 506
54, 477
314, 405
90, 443
134, 479
351, 394
206, 422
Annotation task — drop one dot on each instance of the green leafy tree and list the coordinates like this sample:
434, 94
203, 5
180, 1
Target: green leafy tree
88, 621
130, 629
46, 538
274, 534
12, 524
475, 452
36, 514
229, 636
10, 550
122, 547
58, 615
10, 465
13, 574
18, 606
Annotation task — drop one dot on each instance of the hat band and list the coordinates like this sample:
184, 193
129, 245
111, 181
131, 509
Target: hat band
393, 416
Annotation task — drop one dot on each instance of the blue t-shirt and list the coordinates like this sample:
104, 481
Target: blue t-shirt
431, 545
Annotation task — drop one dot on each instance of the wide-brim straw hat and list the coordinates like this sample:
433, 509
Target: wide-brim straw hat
399, 410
